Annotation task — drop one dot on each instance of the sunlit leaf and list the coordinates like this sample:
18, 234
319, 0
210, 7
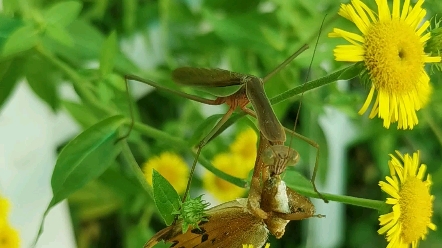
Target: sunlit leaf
59, 34
295, 180
108, 53
10, 70
166, 197
8, 26
95, 200
21, 40
62, 13
82, 113
40, 77
83, 159
243, 31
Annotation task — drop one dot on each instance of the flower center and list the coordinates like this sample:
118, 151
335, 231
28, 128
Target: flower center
416, 209
393, 56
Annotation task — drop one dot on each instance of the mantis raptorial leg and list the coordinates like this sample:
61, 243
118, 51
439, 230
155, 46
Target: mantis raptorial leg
250, 90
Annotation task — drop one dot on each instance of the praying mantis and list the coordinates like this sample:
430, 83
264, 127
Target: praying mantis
241, 89
270, 206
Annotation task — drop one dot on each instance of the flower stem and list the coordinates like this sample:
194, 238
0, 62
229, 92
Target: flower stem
310, 85
349, 200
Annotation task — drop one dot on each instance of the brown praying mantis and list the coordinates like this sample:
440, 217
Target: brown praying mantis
270, 206
269, 198
237, 91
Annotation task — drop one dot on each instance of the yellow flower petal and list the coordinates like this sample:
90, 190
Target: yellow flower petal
171, 166
412, 209
392, 49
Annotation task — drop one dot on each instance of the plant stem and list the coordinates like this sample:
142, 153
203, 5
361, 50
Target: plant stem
308, 86
350, 200
129, 158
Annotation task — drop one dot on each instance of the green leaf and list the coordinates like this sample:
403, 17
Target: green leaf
108, 53
21, 40
42, 81
166, 198
10, 6
8, 26
136, 236
85, 158
82, 34
60, 35
9, 72
104, 92
117, 82
81, 113
243, 31
295, 180
274, 37
95, 200
62, 14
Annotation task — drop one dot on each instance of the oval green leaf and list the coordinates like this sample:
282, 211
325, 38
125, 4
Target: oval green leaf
81, 113
59, 34
10, 72
21, 40
108, 53
63, 13
85, 158
166, 198
296, 181
43, 84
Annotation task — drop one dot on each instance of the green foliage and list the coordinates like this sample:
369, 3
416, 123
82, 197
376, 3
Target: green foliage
91, 45
96, 147
22, 39
166, 198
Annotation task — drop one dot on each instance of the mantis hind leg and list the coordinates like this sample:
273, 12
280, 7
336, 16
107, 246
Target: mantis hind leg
202, 143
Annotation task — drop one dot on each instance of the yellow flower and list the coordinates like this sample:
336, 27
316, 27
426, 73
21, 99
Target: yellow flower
170, 166
392, 49
412, 202
221, 189
238, 162
8, 237
4, 209
245, 145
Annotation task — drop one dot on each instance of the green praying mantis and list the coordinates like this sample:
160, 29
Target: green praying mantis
237, 90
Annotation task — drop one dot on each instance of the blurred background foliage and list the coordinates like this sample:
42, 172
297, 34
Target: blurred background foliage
90, 45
